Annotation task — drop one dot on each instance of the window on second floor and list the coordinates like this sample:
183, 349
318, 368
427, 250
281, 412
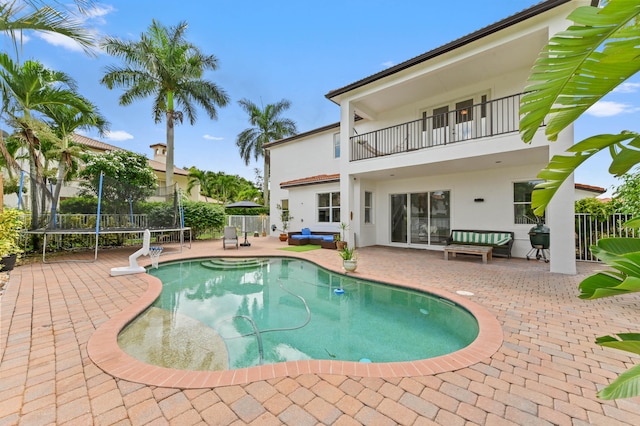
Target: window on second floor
336, 145
329, 207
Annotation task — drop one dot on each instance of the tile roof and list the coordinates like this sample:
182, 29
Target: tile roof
590, 188
311, 180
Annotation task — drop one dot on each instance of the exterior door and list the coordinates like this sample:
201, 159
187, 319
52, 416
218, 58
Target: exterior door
420, 218
399, 218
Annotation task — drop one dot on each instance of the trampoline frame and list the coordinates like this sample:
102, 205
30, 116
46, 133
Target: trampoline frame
86, 231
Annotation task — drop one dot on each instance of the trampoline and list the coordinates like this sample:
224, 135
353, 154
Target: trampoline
122, 231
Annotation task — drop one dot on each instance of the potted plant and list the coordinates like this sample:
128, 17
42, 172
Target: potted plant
10, 226
341, 244
349, 259
285, 218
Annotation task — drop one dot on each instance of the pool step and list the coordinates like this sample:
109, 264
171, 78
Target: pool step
226, 263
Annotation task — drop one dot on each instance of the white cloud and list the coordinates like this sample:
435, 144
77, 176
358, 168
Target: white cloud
627, 88
609, 109
118, 135
60, 40
388, 64
88, 20
213, 138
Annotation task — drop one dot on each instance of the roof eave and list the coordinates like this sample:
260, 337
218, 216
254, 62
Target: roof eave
476, 35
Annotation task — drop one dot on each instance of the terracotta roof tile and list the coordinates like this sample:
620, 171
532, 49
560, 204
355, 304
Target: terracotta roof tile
311, 180
590, 188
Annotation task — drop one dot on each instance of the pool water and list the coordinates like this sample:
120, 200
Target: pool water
234, 313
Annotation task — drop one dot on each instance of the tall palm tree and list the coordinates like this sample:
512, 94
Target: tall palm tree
163, 64
64, 120
27, 89
267, 125
16, 16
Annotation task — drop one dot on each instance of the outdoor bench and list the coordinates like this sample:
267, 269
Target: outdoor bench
500, 241
305, 236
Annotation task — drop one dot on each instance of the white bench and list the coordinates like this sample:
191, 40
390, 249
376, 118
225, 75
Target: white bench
484, 251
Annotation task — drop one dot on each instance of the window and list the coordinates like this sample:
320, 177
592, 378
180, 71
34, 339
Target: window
336, 145
368, 207
329, 207
284, 204
522, 212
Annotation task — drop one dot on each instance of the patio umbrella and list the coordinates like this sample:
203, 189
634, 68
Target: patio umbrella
246, 204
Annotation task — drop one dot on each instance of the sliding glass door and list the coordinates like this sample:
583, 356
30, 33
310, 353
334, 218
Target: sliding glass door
420, 218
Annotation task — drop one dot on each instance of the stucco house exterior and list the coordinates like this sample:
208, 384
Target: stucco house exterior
431, 145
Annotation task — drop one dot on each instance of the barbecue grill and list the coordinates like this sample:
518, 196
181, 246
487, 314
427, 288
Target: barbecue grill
539, 237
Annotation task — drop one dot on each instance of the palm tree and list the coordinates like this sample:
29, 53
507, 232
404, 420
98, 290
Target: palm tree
27, 89
576, 69
15, 18
163, 64
267, 125
64, 121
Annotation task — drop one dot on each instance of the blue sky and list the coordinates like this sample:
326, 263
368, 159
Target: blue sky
268, 51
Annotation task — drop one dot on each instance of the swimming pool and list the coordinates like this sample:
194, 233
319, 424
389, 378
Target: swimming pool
218, 314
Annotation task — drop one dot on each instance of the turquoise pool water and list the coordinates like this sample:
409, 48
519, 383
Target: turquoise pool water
235, 313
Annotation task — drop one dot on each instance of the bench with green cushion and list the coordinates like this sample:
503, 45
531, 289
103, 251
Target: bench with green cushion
501, 241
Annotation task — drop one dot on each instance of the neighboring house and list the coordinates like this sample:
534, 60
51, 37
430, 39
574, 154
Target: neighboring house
587, 191
158, 164
432, 144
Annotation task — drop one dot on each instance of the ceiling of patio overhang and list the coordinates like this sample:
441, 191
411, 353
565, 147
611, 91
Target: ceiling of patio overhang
380, 96
464, 165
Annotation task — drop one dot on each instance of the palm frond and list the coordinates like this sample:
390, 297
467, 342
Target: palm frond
585, 59
623, 149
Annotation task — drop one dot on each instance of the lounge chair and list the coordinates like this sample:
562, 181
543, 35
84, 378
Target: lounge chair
230, 237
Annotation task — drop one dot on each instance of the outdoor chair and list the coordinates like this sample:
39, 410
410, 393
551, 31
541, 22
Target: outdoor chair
230, 237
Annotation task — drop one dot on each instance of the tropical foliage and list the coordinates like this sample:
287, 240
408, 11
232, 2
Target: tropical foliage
222, 187
165, 66
575, 70
30, 93
17, 16
267, 125
127, 178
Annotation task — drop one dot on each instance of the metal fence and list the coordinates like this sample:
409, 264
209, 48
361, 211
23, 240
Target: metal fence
250, 224
489, 118
590, 229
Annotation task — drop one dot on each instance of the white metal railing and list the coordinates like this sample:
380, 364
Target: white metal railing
251, 224
590, 229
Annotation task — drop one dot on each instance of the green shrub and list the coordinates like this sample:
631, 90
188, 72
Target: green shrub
200, 216
79, 205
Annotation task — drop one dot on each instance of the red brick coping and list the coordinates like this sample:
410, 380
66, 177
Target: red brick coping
104, 351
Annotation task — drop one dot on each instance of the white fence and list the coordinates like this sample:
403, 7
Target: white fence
590, 229
250, 224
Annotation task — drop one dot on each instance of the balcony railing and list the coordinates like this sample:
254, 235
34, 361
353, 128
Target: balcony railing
491, 118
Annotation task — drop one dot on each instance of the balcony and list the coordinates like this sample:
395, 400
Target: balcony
491, 118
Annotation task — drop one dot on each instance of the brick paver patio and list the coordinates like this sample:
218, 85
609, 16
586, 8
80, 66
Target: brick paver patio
546, 372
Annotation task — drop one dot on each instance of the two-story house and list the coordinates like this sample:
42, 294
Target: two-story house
432, 144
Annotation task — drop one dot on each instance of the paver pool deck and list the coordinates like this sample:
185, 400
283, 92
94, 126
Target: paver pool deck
546, 371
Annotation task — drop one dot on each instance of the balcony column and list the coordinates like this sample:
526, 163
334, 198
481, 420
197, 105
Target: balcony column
347, 205
561, 215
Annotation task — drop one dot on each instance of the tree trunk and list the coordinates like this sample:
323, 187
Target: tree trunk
56, 191
170, 136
